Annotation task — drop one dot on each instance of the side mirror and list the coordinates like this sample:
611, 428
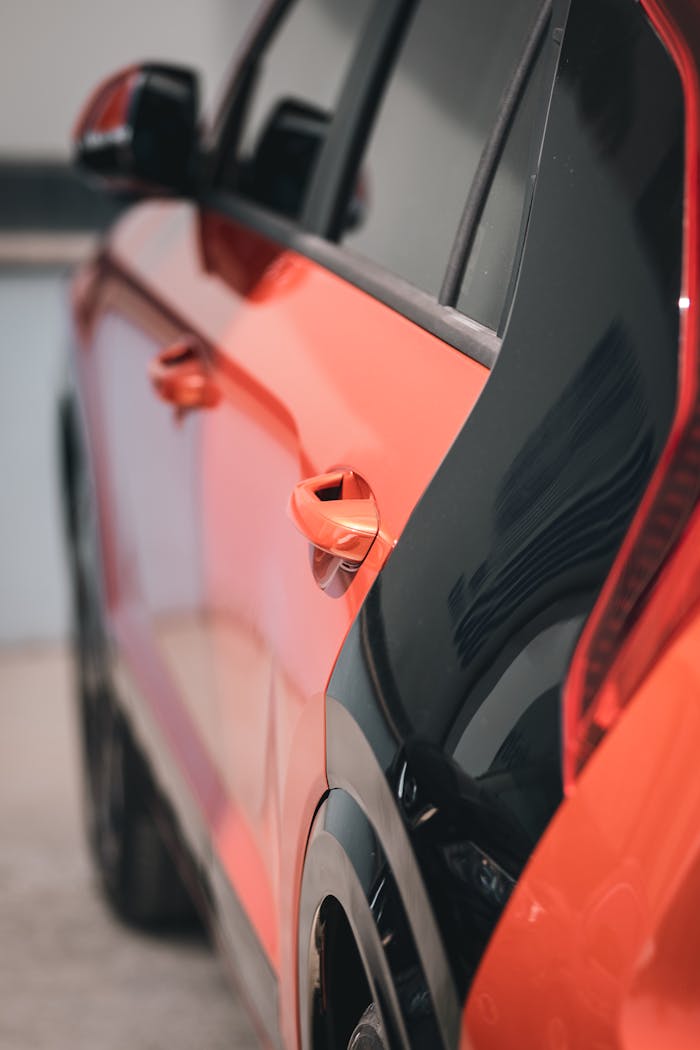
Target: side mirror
138, 131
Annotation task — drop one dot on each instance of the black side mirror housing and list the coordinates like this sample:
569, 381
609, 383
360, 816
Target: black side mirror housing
138, 132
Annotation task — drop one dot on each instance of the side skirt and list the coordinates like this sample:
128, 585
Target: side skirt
185, 834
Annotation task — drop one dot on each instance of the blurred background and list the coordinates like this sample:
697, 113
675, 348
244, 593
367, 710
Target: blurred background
69, 976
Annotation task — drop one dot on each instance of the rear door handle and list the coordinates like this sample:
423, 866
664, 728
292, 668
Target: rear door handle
181, 375
337, 514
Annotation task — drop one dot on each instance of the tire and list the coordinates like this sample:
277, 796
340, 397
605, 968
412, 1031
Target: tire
137, 873
368, 1033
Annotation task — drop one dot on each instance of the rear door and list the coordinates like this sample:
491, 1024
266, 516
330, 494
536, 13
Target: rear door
338, 376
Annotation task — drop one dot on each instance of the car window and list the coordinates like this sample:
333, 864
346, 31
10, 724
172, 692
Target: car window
456, 60
298, 80
490, 264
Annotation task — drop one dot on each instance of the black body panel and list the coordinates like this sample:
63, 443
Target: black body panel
453, 669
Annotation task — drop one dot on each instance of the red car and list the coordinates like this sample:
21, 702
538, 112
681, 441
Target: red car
381, 459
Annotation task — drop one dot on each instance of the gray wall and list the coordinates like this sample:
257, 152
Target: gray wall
51, 55
53, 52
33, 586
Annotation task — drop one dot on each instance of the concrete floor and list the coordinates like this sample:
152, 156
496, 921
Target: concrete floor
70, 976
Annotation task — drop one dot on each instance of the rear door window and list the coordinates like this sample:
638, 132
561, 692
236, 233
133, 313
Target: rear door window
440, 104
486, 282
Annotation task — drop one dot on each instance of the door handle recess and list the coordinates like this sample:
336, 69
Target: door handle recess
337, 514
181, 376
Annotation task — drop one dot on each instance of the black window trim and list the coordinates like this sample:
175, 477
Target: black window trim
490, 156
312, 235
452, 327
547, 32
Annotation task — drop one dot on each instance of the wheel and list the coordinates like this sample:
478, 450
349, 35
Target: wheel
368, 1034
137, 873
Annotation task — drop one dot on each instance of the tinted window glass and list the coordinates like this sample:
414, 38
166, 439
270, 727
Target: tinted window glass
298, 81
456, 61
490, 264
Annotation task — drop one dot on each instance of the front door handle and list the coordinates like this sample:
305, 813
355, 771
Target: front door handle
337, 514
181, 375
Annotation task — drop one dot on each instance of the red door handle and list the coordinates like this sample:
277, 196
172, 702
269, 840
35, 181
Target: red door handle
181, 376
337, 514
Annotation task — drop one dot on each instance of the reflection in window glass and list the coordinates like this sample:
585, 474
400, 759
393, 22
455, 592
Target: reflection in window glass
441, 102
299, 80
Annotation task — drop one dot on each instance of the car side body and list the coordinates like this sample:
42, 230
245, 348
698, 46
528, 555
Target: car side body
353, 746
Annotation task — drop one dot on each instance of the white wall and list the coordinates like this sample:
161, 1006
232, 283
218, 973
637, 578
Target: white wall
34, 602
53, 52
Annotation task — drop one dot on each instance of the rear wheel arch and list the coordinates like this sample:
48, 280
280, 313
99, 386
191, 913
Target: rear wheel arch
354, 945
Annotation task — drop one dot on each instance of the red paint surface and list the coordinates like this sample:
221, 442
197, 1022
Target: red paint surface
107, 109
314, 375
599, 944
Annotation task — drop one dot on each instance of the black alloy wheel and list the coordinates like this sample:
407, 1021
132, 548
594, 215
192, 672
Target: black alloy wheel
368, 1033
